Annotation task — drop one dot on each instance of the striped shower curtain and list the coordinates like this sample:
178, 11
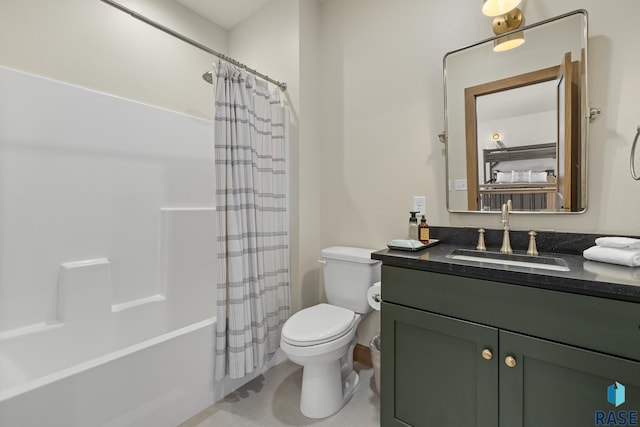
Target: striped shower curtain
252, 223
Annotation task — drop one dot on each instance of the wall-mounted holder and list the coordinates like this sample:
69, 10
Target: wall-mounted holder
442, 137
633, 152
594, 113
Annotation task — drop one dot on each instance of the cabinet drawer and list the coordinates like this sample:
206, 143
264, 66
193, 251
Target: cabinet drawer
598, 324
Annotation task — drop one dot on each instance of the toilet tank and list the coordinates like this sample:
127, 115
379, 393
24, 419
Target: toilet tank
348, 273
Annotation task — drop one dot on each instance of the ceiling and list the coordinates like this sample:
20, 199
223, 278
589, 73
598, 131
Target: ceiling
225, 13
535, 98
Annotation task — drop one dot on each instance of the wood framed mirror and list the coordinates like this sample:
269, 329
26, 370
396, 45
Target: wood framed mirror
553, 187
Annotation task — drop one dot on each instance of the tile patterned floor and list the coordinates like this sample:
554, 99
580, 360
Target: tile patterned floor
273, 400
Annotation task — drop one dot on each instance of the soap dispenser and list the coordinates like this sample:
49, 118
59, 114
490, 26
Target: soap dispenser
413, 226
423, 230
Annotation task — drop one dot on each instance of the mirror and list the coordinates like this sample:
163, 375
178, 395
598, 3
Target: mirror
516, 121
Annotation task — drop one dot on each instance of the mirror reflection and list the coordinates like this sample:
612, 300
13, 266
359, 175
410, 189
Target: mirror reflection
514, 124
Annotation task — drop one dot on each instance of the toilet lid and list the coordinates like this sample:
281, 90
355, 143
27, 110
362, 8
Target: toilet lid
317, 324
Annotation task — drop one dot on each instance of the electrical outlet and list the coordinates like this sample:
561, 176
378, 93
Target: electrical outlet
461, 184
419, 204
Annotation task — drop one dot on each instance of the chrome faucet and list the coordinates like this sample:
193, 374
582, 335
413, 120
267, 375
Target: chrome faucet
506, 244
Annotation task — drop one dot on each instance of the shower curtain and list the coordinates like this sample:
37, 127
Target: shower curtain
251, 209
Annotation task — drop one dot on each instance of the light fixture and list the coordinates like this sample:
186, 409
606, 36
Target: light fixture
496, 137
508, 42
498, 7
510, 21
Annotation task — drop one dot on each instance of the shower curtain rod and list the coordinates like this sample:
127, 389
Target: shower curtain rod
207, 76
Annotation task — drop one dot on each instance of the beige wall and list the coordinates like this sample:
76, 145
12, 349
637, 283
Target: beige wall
91, 44
271, 41
365, 88
382, 108
309, 166
283, 40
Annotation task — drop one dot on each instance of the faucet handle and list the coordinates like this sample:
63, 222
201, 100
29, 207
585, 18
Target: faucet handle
481, 246
533, 250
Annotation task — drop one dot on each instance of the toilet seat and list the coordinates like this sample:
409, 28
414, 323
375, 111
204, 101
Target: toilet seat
318, 324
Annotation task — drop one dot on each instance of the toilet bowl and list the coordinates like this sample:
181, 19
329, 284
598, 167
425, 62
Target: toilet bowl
322, 338
328, 378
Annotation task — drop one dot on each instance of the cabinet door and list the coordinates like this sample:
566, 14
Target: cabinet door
553, 384
433, 370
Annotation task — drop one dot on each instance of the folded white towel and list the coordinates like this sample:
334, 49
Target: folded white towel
622, 256
405, 243
618, 242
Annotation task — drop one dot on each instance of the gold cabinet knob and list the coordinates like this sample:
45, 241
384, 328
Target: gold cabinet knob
510, 361
486, 354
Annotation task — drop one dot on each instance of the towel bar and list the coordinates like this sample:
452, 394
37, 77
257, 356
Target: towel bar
633, 151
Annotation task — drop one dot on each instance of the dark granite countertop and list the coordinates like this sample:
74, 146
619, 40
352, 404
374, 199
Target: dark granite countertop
585, 277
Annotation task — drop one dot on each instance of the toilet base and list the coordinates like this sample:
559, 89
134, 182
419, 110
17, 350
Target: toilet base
324, 392
328, 378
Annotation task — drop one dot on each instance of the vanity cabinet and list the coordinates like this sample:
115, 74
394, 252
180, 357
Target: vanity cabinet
458, 351
432, 375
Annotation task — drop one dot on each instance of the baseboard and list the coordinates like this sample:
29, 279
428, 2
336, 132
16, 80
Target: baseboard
362, 354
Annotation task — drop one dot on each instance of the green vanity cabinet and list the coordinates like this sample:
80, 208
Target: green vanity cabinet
460, 352
432, 374
554, 384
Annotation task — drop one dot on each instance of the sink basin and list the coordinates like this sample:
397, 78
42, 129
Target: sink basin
516, 260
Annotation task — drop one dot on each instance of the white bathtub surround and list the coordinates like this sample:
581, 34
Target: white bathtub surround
107, 307
253, 230
89, 330
85, 175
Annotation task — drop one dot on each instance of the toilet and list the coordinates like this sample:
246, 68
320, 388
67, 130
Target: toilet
321, 338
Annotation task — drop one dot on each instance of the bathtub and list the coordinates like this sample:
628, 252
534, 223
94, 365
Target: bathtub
144, 363
161, 381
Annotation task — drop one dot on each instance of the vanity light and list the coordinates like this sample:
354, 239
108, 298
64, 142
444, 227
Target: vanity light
498, 7
502, 24
508, 42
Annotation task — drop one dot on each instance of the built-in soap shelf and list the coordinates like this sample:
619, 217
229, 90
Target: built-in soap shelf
87, 284
84, 288
85, 296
